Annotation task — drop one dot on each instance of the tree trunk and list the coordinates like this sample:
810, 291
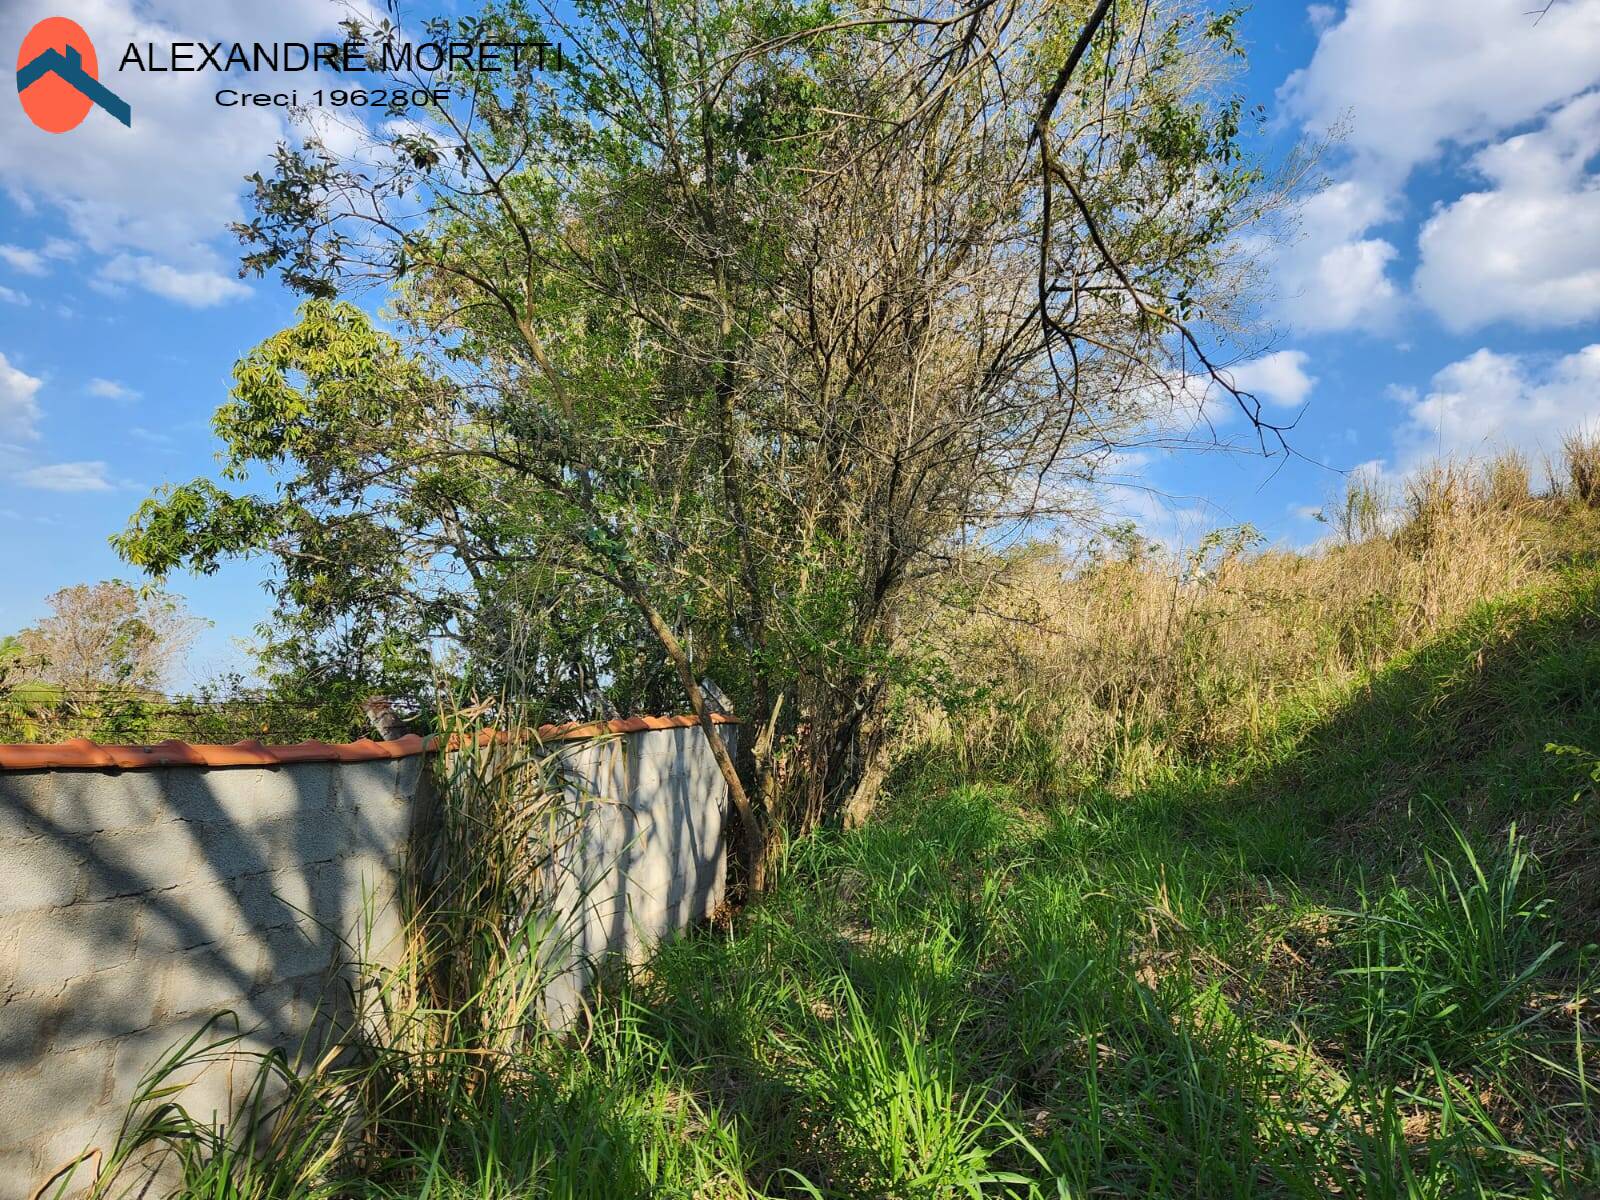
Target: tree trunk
751, 847
872, 757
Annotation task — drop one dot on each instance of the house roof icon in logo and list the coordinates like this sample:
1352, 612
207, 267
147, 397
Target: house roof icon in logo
58, 77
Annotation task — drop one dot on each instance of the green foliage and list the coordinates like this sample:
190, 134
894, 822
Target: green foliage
719, 339
283, 710
194, 526
973, 997
1441, 970
224, 710
1351, 953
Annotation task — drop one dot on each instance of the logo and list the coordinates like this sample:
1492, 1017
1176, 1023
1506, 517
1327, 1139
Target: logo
58, 77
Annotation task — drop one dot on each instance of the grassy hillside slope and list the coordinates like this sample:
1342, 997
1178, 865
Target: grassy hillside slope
1351, 959
1335, 937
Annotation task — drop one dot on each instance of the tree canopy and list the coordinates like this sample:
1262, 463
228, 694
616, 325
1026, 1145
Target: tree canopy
104, 637
709, 350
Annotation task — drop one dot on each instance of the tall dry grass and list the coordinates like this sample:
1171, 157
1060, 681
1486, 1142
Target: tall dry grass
1580, 451
1107, 664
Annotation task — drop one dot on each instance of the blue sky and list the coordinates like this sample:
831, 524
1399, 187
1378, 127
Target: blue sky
1441, 291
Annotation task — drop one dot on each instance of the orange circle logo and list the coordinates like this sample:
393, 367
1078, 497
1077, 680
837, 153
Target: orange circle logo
54, 57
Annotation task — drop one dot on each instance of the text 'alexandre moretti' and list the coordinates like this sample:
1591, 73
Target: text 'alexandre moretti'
343, 57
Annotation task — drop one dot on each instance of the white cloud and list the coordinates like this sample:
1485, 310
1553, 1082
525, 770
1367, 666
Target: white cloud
1402, 81
1173, 521
19, 411
1194, 405
1321, 16
11, 296
1528, 250
1333, 275
1352, 286
340, 134
67, 477
1409, 77
1279, 377
1188, 404
155, 199
35, 262
110, 389
199, 288
19, 258
1488, 401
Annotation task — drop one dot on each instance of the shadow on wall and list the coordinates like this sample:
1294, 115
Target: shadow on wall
648, 856
138, 904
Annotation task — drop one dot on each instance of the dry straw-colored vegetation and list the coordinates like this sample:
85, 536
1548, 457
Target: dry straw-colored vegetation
1581, 452
1126, 655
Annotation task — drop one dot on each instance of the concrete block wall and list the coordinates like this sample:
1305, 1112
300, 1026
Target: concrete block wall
648, 856
137, 904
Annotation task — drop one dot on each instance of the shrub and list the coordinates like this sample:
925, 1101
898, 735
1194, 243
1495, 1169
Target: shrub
1581, 450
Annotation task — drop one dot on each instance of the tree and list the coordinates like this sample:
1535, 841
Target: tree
108, 636
728, 336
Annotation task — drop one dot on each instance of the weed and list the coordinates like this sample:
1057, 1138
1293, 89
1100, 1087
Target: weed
1332, 939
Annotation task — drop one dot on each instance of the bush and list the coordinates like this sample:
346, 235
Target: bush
1581, 450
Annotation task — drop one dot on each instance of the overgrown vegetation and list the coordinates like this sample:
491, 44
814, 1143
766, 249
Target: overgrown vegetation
1108, 665
98, 666
1344, 945
727, 338
222, 711
748, 335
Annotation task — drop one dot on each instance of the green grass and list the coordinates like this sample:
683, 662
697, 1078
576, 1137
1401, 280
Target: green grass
1351, 958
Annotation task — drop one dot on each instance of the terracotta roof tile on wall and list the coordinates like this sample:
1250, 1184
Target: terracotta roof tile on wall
81, 754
